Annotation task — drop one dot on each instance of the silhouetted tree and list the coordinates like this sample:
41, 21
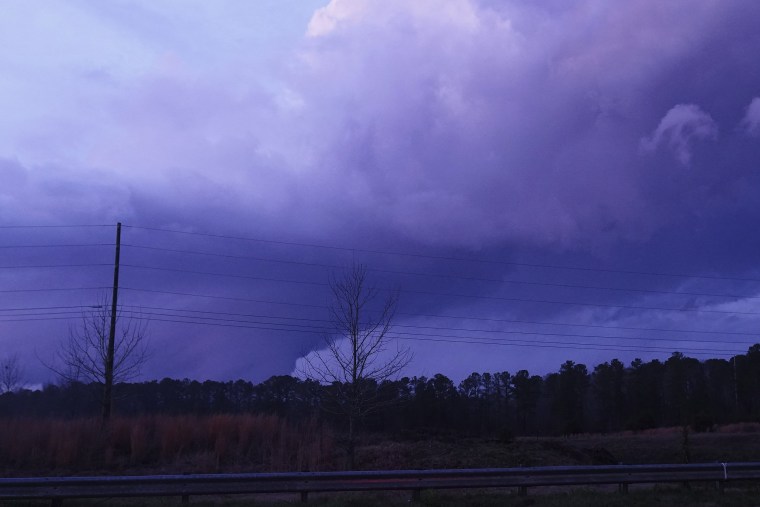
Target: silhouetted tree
748, 382
645, 394
83, 356
357, 357
567, 391
10, 374
608, 383
526, 391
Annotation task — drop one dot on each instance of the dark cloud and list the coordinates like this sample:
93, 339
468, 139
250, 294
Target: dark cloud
620, 137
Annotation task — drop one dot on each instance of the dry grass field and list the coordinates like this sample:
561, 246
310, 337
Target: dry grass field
265, 443
163, 444
258, 443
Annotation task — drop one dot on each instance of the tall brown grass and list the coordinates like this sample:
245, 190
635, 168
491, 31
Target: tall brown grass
176, 444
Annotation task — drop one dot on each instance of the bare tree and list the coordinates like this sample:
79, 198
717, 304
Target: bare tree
10, 374
357, 357
83, 355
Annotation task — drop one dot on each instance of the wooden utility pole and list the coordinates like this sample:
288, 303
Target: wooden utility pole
107, 390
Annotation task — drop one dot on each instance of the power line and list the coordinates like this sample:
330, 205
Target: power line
543, 301
532, 344
617, 346
457, 295
225, 298
459, 317
140, 308
39, 319
498, 298
141, 313
432, 275
438, 316
33, 314
46, 266
289, 327
32, 308
59, 245
535, 345
447, 258
573, 303
247, 277
228, 256
177, 313
633, 347
54, 289
418, 336
54, 226
547, 323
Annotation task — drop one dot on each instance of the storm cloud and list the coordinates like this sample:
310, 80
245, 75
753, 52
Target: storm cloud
582, 134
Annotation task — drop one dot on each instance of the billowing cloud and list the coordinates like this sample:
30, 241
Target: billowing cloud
679, 129
751, 121
464, 125
511, 129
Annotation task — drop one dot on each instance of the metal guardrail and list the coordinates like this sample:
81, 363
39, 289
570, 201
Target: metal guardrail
59, 488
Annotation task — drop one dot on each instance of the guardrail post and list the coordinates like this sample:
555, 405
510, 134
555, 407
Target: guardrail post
56, 502
304, 497
623, 488
185, 499
522, 491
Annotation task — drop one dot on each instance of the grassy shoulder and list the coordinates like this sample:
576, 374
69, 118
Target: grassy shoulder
656, 446
670, 496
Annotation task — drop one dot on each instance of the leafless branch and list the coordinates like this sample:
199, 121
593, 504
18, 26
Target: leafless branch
356, 357
10, 374
82, 356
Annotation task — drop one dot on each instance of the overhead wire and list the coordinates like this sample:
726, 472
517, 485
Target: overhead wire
452, 295
399, 335
462, 339
224, 298
438, 257
32, 308
46, 266
149, 312
46, 226
460, 317
227, 275
440, 338
54, 289
58, 245
431, 275
141, 312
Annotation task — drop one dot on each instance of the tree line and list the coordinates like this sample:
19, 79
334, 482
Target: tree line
611, 397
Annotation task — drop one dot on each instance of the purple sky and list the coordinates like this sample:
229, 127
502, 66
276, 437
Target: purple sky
587, 134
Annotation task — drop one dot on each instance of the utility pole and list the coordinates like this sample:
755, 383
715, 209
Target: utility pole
112, 332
